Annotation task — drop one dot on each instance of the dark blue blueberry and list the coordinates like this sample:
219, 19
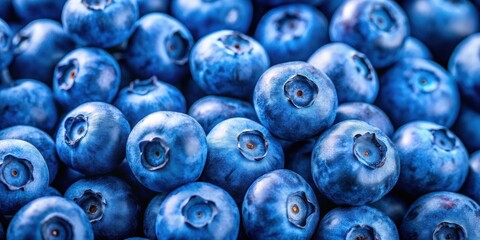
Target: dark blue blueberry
92, 138
414, 48
50, 191
471, 187
280, 205
292, 32
206, 16
442, 215
393, 206
149, 6
6, 45
418, 89
198, 211
466, 128
211, 110
356, 223
150, 215
27, 102
295, 101
23, 175
50, 218
228, 63
282, 2
29, 10
166, 150
84, 75
239, 151
110, 205
38, 138
352, 73
377, 28
366, 112
354, 163
192, 91
159, 46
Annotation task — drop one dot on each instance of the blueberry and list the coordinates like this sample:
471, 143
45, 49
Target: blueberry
366, 112
352, 73
295, 101
354, 163
393, 206
228, 63
23, 175
110, 205
159, 46
99, 23
377, 28
84, 75
150, 215
441, 215
50, 218
198, 210
292, 32
471, 187
414, 48
466, 128
6, 45
166, 150
51, 192
92, 138
280, 204
29, 10
211, 110
149, 6
239, 151
356, 223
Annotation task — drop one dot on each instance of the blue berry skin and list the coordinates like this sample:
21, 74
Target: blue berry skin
203, 17
441, 215
441, 24
393, 206
39, 139
6, 45
464, 66
354, 163
149, 6
414, 48
228, 63
23, 175
418, 89
211, 110
239, 151
27, 102
366, 112
471, 187
84, 75
150, 215
282, 2
50, 218
280, 205
166, 150
466, 128
81, 18
159, 46
361, 222
295, 101
292, 32
65, 177
29, 10
352, 73
92, 138
143, 97
39, 46
377, 28
110, 205
51, 192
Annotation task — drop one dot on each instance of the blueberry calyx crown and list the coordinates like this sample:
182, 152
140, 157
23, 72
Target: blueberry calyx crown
252, 144
56, 227
96, 4
143, 87
382, 19
178, 47
300, 91
362, 232
369, 150
21, 41
424, 81
15, 173
363, 66
76, 129
299, 209
4, 42
93, 204
236, 43
66, 74
290, 25
449, 231
443, 139
199, 212
154, 153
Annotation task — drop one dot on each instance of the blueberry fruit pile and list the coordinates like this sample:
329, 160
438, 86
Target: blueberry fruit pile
240, 119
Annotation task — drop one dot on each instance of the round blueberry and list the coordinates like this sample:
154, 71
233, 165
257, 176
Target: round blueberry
466, 128
150, 215
366, 112
414, 48
29, 10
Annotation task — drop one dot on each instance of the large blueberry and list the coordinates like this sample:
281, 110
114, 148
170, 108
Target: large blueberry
6, 45
50, 218
23, 175
292, 32
377, 28
356, 223
150, 215
471, 187
354, 163
442, 215
92, 138
239, 151
159, 46
280, 205
352, 73
99, 23
84, 75
166, 150
110, 205
29, 10
198, 211
295, 101
414, 48
466, 128
366, 112
418, 89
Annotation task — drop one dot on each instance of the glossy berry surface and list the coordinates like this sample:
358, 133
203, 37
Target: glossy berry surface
366, 112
